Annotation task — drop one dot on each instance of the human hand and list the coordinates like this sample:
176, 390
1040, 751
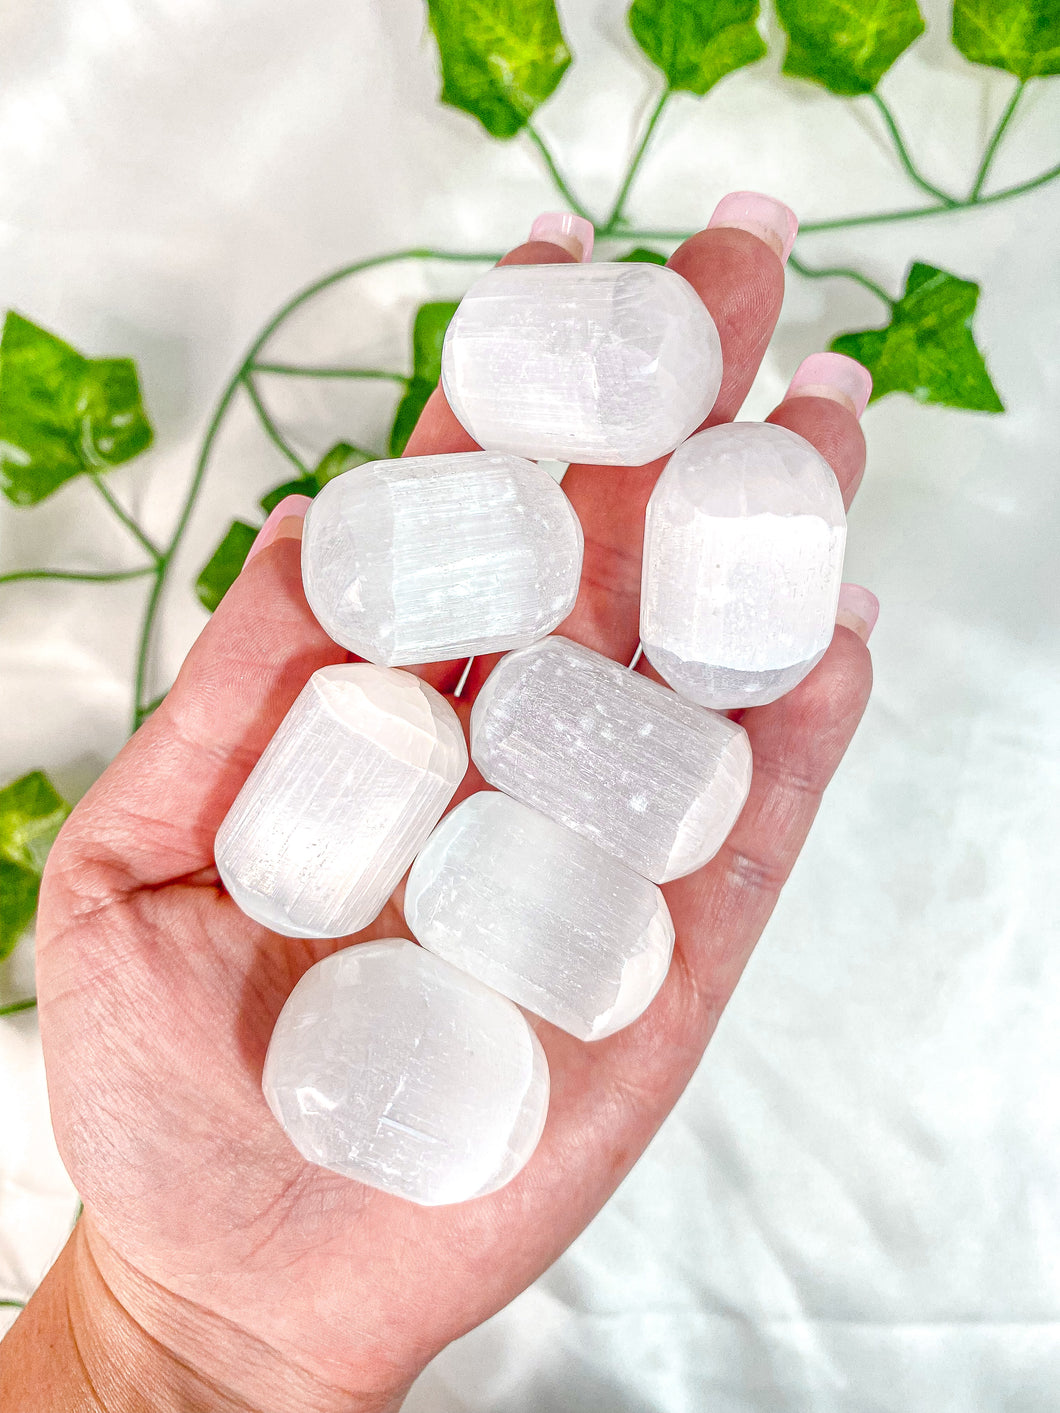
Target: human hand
213, 1266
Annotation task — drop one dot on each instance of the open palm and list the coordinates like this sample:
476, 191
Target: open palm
158, 996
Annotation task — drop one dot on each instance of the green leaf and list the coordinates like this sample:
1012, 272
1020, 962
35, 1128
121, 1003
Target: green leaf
19, 889
428, 334
928, 349
304, 486
500, 58
697, 42
342, 457
847, 45
31, 814
642, 255
62, 414
222, 569
1021, 36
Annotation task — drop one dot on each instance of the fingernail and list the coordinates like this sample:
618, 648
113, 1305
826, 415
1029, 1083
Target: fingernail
570, 232
284, 523
833, 375
764, 217
858, 610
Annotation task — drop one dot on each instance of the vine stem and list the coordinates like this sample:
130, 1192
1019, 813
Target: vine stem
554, 172
14, 1007
123, 515
84, 576
841, 272
213, 427
906, 160
13, 1304
271, 430
995, 141
615, 218
298, 370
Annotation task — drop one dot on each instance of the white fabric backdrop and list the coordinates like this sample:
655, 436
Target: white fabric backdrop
855, 1206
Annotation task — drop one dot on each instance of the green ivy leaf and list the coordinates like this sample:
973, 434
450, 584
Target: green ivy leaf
697, 42
19, 889
1021, 36
500, 58
847, 45
642, 255
342, 457
928, 349
62, 414
31, 814
304, 486
428, 333
222, 569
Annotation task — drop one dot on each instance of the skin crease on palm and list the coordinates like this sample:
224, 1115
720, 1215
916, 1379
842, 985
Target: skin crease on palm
212, 1263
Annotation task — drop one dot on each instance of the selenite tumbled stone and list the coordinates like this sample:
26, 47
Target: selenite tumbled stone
743, 556
607, 363
541, 915
390, 1066
615, 757
432, 557
355, 778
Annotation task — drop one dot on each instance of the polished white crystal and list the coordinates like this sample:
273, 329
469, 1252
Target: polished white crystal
390, 1066
541, 915
619, 759
609, 363
355, 778
433, 557
743, 556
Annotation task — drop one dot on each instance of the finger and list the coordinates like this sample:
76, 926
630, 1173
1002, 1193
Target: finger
824, 403
738, 272
438, 431
154, 813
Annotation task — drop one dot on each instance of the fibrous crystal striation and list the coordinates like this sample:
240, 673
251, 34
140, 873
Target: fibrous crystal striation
433, 557
354, 779
390, 1066
743, 557
541, 915
613, 756
608, 363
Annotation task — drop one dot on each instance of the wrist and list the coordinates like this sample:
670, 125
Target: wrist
79, 1348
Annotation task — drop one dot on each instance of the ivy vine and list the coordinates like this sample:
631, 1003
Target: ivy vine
64, 414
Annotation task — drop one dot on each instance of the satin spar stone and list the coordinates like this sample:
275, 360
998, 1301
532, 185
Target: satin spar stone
743, 557
434, 557
608, 363
355, 778
540, 915
611, 755
390, 1066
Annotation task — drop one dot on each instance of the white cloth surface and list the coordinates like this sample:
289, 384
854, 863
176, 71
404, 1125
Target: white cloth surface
855, 1206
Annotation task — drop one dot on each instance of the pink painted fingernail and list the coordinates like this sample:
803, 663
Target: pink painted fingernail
763, 216
858, 610
570, 232
833, 375
284, 523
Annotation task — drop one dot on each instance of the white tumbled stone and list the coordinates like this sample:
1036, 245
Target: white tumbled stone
743, 557
355, 778
541, 915
433, 557
608, 363
390, 1066
615, 757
